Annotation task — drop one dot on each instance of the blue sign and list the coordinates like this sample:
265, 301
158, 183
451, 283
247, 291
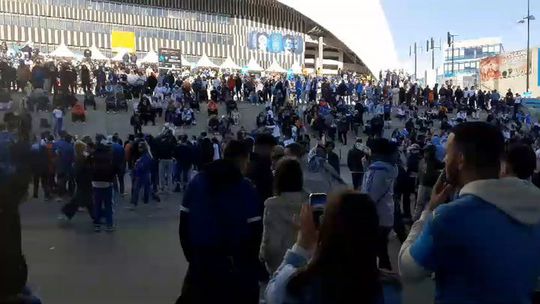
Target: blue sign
275, 42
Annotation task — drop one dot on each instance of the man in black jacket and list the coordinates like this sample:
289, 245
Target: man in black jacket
354, 162
184, 156
165, 144
260, 171
103, 173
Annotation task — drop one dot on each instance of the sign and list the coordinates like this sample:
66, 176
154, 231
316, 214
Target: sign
123, 41
170, 58
275, 42
508, 65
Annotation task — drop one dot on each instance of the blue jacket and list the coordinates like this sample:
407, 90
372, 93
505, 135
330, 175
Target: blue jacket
143, 166
297, 257
66, 155
484, 247
378, 183
119, 155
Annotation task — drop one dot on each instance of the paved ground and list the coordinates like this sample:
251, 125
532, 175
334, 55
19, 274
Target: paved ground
142, 261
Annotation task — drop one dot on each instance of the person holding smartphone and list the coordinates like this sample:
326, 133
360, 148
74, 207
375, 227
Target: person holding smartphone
335, 262
483, 246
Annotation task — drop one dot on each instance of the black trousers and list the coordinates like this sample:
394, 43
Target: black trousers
342, 136
41, 176
357, 179
83, 198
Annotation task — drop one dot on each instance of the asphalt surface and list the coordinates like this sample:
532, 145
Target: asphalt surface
141, 262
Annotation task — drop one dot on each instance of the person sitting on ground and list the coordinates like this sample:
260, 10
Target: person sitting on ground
279, 233
482, 246
335, 262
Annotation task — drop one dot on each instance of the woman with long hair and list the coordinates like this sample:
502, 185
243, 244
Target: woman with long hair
279, 228
336, 263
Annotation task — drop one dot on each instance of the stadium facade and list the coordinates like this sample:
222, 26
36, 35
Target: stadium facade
264, 30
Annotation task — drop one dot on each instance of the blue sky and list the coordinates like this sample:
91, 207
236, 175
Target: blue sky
417, 20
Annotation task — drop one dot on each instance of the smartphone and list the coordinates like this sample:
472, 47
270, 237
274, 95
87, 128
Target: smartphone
318, 202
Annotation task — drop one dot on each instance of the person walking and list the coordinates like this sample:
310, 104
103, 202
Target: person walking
58, 116
378, 183
103, 174
141, 175
355, 163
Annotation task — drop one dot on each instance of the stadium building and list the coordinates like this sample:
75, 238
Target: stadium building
265, 30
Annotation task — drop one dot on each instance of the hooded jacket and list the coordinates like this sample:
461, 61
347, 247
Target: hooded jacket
483, 247
378, 183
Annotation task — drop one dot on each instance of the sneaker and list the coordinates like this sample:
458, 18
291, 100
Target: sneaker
131, 208
97, 228
81, 209
110, 229
124, 194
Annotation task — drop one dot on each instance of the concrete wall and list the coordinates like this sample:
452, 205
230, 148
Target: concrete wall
518, 84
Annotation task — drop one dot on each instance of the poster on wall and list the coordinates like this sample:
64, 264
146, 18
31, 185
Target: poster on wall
275, 42
509, 65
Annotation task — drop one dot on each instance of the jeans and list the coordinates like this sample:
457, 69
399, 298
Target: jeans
103, 206
58, 125
43, 177
182, 175
138, 184
165, 174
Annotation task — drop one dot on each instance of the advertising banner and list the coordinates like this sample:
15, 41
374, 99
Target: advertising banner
275, 42
170, 58
509, 65
121, 41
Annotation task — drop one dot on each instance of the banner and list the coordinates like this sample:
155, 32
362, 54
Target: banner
508, 65
275, 42
170, 58
123, 41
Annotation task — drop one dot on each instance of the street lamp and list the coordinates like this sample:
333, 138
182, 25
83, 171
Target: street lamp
528, 18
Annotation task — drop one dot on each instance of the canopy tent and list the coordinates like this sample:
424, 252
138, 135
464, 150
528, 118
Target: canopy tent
63, 51
150, 57
229, 64
296, 68
185, 62
254, 66
119, 56
205, 62
275, 68
97, 54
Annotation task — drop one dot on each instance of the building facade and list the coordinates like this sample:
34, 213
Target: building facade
463, 68
264, 30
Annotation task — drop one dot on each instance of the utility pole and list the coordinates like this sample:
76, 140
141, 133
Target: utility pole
415, 58
528, 42
430, 45
528, 18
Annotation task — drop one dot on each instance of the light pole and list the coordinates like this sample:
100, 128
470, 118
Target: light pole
529, 17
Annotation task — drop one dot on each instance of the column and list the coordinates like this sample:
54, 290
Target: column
319, 60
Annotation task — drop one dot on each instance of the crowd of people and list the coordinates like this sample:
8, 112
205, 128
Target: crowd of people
454, 173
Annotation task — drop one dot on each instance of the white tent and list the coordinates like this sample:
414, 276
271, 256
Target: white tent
296, 68
185, 62
150, 57
229, 64
97, 54
205, 62
119, 56
275, 68
62, 51
254, 66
